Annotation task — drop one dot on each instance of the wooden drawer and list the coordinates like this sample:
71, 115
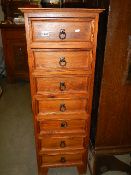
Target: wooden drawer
48, 142
70, 84
59, 106
62, 126
61, 159
62, 29
62, 59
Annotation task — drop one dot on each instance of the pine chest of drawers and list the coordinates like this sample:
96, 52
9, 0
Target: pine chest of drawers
61, 55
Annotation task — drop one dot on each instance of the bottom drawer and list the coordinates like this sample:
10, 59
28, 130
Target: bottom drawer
61, 159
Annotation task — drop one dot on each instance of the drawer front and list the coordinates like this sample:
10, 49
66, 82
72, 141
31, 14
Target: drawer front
73, 30
62, 59
50, 126
60, 106
48, 143
62, 84
61, 159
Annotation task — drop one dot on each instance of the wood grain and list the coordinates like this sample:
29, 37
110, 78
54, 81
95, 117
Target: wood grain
73, 59
62, 126
115, 101
61, 105
61, 56
49, 29
48, 142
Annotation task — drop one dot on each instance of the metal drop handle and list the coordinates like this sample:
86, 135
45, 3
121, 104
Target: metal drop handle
63, 160
62, 86
62, 34
64, 124
62, 107
62, 144
62, 61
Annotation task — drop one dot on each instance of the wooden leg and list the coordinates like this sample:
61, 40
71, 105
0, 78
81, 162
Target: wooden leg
82, 169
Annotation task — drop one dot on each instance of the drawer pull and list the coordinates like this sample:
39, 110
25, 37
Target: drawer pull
62, 86
64, 124
63, 160
62, 61
62, 107
62, 34
62, 144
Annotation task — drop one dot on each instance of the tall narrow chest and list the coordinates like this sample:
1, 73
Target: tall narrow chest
61, 55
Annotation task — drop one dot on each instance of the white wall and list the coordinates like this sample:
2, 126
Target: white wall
1, 18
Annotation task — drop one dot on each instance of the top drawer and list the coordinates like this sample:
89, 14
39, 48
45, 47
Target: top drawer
62, 29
